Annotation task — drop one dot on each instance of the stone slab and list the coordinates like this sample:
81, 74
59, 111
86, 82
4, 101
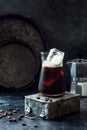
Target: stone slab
52, 107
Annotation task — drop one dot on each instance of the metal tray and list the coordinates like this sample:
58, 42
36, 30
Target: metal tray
21, 41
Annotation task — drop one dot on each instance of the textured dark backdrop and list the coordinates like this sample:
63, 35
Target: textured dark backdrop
63, 21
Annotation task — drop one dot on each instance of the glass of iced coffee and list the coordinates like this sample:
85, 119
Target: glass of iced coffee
51, 82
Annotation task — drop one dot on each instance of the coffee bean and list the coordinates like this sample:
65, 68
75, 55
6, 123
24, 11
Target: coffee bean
9, 105
1, 111
35, 125
18, 109
10, 120
9, 113
4, 114
10, 109
19, 118
9, 117
22, 115
14, 119
14, 111
0, 116
24, 124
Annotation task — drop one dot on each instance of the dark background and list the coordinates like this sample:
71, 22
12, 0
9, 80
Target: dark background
64, 23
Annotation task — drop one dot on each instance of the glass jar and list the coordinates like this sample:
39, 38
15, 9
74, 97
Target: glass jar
51, 82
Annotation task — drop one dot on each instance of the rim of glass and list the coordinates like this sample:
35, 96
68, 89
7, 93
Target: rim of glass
44, 52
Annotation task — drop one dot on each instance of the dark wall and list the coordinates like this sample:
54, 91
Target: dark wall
64, 22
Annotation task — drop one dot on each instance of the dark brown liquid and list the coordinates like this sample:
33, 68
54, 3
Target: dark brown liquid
51, 81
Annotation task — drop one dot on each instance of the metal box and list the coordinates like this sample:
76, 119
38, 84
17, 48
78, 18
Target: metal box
52, 107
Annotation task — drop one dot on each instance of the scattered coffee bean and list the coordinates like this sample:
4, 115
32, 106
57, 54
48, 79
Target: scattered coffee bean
0, 116
9, 113
50, 100
14, 111
23, 124
9, 105
10, 109
9, 117
14, 119
18, 109
19, 118
35, 125
22, 115
10, 120
1, 111
4, 114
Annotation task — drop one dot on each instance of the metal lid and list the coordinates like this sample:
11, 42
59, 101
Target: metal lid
21, 41
77, 60
18, 65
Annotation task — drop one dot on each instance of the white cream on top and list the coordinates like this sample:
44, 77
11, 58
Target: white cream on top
54, 58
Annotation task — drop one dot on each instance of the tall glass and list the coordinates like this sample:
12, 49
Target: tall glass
51, 82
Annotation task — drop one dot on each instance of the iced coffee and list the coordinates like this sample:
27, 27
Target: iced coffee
51, 81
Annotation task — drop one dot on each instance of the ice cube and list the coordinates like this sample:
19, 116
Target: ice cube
55, 57
51, 53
